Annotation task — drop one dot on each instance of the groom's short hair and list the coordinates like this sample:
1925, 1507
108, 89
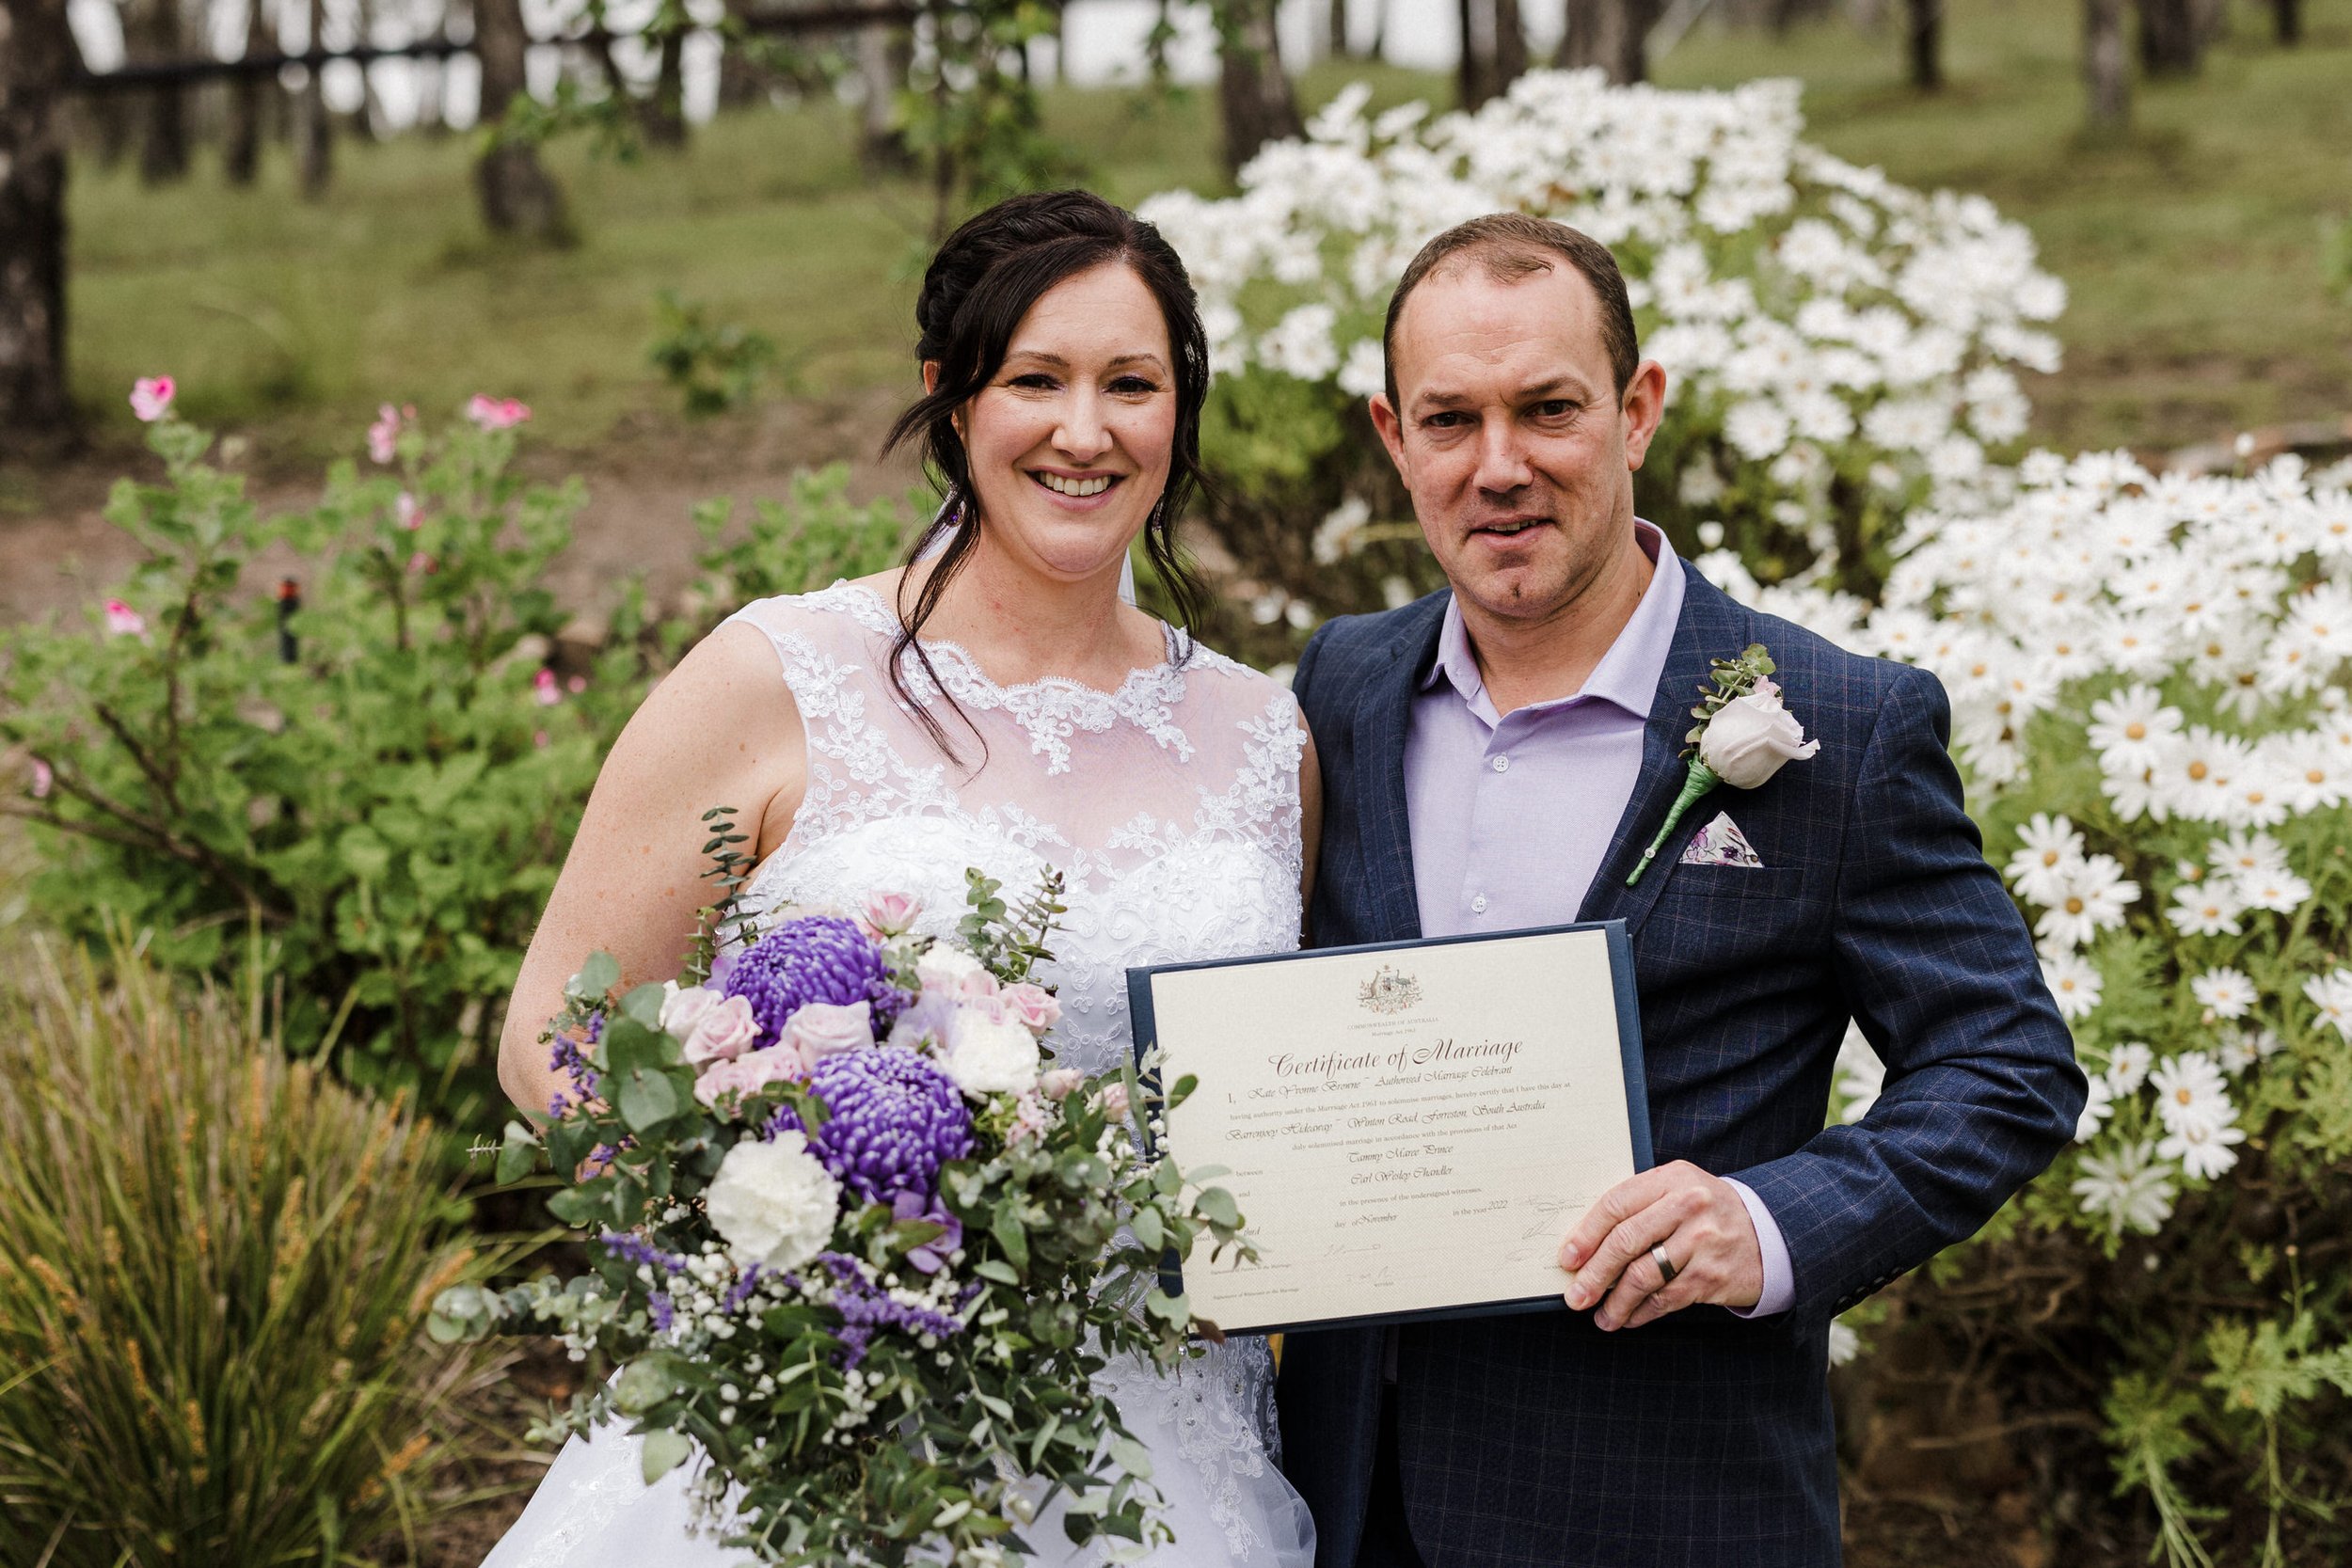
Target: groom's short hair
1510, 246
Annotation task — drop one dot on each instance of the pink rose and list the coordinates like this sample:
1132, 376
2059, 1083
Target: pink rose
150, 397
1033, 1007
123, 621
722, 1031
747, 1074
683, 1005
821, 1029
891, 914
1060, 1082
1114, 1100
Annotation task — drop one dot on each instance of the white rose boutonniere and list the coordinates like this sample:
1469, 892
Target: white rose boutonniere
1744, 736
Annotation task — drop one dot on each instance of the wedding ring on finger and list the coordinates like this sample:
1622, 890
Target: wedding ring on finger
1666, 1269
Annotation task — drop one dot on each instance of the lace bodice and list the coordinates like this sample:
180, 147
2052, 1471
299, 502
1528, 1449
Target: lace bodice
1170, 805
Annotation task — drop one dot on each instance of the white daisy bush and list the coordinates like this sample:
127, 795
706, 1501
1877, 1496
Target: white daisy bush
1838, 347
2147, 677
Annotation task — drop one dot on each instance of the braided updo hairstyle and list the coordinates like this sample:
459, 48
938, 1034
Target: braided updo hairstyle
984, 279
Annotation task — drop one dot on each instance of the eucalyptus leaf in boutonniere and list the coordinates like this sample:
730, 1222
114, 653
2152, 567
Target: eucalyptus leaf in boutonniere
1742, 738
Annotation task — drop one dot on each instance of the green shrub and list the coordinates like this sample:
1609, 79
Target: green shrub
382, 811
716, 366
218, 1263
374, 790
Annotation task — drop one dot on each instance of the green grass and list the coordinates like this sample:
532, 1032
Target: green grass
2193, 246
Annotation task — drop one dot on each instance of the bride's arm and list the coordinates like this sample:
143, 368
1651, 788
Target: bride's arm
720, 730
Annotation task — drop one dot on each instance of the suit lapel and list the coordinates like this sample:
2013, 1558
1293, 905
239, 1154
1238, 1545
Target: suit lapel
1383, 712
1711, 626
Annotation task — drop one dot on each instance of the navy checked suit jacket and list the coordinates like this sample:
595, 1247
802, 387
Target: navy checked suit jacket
1702, 1439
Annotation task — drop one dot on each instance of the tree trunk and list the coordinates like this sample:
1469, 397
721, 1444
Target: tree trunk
1494, 50
518, 197
35, 52
882, 60
2288, 17
2105, 72
1335, 31
2171, 39
1611, 34
664, 113
151, 35
1923, 35
1252, 91
241, 147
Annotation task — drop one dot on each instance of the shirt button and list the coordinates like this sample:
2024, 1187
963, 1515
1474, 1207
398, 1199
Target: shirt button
1503, 765
1478, 905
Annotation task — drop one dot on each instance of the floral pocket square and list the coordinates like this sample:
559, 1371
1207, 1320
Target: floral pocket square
1722, 843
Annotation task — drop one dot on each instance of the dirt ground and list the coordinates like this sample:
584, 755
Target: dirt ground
59, 553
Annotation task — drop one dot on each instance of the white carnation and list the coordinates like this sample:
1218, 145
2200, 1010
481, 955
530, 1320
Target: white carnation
772, 1202
988, 1057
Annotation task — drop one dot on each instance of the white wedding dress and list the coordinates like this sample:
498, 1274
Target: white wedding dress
1171, 808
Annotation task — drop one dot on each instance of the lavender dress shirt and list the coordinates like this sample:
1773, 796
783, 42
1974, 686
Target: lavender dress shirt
1512, 814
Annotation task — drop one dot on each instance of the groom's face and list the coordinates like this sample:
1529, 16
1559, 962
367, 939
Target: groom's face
1510, 432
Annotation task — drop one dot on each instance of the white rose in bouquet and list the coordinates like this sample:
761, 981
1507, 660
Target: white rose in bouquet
987, 1057
681, 1006
773, 1203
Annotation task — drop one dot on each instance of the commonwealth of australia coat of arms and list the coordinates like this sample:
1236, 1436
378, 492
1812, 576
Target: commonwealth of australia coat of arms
1388, 992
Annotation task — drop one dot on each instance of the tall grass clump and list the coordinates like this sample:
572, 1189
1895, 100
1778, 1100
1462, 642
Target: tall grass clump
217, 1265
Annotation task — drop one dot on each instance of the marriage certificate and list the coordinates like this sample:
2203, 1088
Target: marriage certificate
1409, 1130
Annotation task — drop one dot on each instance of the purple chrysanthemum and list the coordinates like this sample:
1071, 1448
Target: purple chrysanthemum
817, 958
896, 1119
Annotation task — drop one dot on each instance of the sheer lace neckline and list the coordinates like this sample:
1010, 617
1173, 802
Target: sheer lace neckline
1051, 708
876, 614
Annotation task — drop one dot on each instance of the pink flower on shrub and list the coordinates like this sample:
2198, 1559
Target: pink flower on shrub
549, 693
43, 779
496, 413
123, 621
404, 511
539, 738
150, 397
576, 685
421, 563
384, 435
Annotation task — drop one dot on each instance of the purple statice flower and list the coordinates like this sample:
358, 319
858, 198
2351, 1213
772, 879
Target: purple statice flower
933, 1254
742, 1289
896, 1119
819, 958
632, 1248
866, 1306
569, 1058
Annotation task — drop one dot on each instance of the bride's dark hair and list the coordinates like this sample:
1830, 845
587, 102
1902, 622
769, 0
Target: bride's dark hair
984, 279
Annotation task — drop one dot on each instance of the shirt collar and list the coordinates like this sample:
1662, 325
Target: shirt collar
1627, 675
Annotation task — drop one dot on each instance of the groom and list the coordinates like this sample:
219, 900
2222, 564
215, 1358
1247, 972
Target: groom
1498, 757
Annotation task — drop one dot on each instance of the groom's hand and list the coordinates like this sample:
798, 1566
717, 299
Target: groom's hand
1696, 1219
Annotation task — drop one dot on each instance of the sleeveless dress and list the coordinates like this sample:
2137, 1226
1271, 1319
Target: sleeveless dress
1171, 808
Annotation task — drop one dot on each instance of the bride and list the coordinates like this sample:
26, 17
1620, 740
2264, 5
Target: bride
998, 702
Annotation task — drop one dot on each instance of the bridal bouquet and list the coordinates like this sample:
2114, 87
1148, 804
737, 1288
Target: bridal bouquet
855, 1240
